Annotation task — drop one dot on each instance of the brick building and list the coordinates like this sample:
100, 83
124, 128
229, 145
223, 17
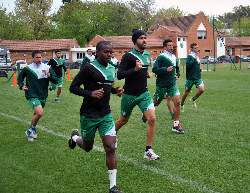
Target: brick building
22, 49
238, 45
182, 30
122, 44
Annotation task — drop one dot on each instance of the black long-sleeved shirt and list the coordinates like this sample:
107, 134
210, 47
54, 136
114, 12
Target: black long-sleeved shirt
94, 76
58, 65
135, 81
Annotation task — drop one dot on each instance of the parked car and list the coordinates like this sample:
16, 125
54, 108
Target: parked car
21, 64
5, 63
208, 60
244, 58
225, 59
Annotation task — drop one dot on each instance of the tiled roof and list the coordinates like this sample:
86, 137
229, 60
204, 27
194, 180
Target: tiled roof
29, 45
180, 23
126, 41
238, 41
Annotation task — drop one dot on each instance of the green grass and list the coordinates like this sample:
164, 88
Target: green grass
212, 156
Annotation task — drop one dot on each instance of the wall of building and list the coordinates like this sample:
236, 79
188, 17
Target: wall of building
26, 55
206, 45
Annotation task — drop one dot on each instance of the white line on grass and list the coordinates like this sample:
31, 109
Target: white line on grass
193, 184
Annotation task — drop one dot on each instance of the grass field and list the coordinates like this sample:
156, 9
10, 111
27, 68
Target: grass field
213, 156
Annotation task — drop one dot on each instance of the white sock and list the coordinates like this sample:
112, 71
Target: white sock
112, 177
176, 123
75, 137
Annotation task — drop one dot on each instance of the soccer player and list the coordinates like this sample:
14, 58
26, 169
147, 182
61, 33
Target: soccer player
58, 65
95, 114
165, 69
134, 69
89, 57
193, 76
37, 76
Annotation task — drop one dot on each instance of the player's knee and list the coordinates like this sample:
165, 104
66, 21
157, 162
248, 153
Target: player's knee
151, 120
202, 90
39, 113
110, 148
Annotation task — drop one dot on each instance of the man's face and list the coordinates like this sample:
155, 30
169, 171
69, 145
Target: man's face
105, 54
141, 42
37, 58
170, 47
196, 49
89, 52
58, 54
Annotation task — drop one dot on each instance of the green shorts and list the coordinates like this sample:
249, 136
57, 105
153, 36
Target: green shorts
59, 84
160, 92
89, 126
189, 84
35, 102
128, 102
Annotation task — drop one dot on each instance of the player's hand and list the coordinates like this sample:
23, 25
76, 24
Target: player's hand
97, 93
119, 91
170, 68
25, 88
138, 65
149, 74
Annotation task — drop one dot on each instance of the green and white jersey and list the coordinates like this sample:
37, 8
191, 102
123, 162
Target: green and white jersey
37, 80
193, 71
58, 66
164, 78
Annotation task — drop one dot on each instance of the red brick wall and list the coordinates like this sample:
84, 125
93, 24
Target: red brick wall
206, 44
244, 51
26, 55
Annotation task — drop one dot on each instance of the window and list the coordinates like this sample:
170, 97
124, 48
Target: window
184, 39
207, 50
179, 39
201, 34
79, 55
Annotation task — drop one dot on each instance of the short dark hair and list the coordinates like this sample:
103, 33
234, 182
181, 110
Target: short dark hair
102, 44
192, 45
35, 52
57, 51
166, 41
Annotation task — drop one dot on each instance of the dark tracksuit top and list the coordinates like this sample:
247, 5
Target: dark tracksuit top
193, 71
135, 81
94, 76
58, 65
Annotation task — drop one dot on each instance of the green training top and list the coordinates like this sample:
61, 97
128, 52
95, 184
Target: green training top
36, 80
193, 71
163, 61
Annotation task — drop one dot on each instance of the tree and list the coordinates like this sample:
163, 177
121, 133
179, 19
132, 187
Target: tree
35, 13
144, 11
242, 27
84, 20
171, 12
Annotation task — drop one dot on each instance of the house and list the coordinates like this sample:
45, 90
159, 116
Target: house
189, 29
238, 46
182, 30
22, 49
122, 44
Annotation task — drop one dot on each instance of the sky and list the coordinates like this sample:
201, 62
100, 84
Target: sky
209, 7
